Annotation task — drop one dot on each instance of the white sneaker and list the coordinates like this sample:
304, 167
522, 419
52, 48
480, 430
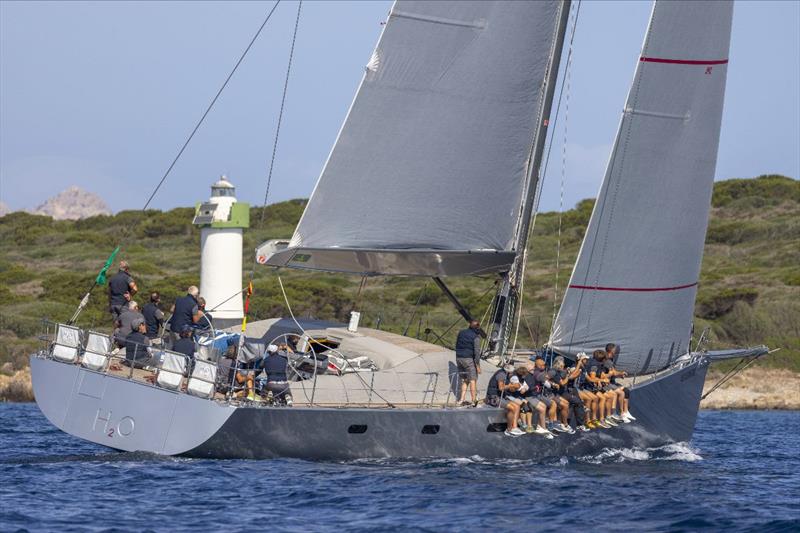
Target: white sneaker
630, 417
618, 418
583, 428
567, 429
517, 432
509, 434
542, 431
610, 421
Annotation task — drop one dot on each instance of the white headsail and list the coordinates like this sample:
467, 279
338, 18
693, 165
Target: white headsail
636, 277
429, 171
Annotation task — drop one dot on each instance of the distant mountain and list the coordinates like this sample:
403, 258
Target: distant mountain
73, 204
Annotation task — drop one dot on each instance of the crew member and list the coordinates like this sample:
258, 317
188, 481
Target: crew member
468, 361
121, 288
275, 367
153, 315
137, 351
499, 387
623, 393
187, 311
185, 344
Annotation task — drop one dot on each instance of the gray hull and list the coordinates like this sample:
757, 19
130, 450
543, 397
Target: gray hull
131, 416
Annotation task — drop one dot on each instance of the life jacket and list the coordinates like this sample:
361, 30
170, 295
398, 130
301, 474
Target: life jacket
184, 313
151, 320
275, 367
493, 390
465, 343
118, 285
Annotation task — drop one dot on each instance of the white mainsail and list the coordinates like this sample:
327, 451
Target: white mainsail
636, 277
428, 174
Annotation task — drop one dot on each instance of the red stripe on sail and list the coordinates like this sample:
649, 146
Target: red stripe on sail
633, 289
683, 61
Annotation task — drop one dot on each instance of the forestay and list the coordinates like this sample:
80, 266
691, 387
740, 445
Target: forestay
429, 170
636, 276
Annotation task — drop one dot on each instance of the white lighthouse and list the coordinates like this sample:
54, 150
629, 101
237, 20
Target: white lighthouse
222, 221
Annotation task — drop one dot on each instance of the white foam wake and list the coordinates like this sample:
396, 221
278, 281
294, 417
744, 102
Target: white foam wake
681, 451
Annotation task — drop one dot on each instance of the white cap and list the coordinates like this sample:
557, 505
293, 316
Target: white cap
582, 355
272, 348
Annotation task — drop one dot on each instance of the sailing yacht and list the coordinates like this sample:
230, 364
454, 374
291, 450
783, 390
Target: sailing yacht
435, 173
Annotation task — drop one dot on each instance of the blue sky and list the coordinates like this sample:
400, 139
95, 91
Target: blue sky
102, 95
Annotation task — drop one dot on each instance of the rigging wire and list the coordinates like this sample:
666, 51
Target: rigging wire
538, 194
129, 228
567, 82
213, 101
271, 166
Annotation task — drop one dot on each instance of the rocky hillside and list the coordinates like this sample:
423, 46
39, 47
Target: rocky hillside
749, 287
73, 204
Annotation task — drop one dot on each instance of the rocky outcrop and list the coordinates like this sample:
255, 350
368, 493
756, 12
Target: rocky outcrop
72, 204
4, 210
755, 388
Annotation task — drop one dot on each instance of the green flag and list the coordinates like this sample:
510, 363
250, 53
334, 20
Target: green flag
101, 277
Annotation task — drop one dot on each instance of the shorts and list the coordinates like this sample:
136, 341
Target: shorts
613, 386
546, 400
496, 401
467, 370
533, 402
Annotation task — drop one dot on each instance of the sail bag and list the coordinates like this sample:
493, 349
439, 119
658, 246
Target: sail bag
635, 280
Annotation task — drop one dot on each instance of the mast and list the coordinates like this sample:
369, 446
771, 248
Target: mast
506, 299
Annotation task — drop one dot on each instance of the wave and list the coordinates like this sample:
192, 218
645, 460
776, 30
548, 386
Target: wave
681, 451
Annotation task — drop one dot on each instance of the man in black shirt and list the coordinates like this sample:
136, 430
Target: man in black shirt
622, 393
137, 351
499, 388
275, 367
468, 361
121, 288
153, 316
185, 344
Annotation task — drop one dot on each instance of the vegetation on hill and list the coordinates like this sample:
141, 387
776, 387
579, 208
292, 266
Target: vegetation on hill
749, 288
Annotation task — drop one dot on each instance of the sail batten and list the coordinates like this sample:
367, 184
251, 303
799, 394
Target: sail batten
434, 153
636, 277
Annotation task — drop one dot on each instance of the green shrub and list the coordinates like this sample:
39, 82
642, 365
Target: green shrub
714, 304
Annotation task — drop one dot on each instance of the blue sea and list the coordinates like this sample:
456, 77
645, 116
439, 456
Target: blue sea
740, 473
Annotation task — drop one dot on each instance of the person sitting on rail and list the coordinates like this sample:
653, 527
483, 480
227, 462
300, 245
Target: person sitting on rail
586, 389
518, 396
496, 396
599, 379
623, 393
534, 404
581, 402
544, 393
275, 366
558, 378
137, 347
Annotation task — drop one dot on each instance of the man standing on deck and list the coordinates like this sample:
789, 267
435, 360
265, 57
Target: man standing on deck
121, 288
187, 311
468, 361
153, 315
